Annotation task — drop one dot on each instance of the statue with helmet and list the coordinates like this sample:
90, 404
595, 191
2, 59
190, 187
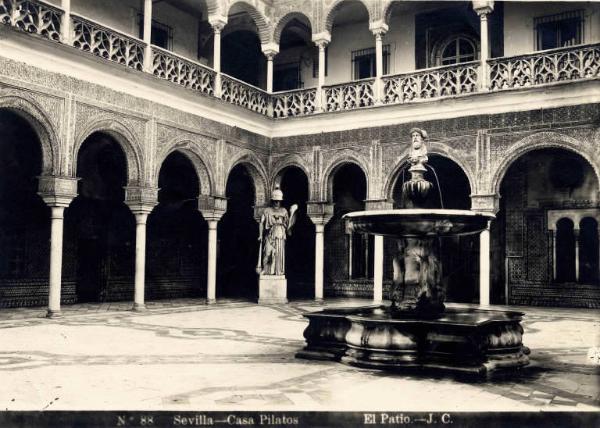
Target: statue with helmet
275, 225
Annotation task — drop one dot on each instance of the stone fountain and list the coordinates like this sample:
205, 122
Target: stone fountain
417, 331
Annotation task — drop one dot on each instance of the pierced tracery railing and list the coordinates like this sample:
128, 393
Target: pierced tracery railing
431, 83
184, 72
108, 43
556, 65
32, 16
351, 95
298, 102
245, 95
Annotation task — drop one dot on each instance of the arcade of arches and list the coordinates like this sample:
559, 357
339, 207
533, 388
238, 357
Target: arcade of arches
544, 242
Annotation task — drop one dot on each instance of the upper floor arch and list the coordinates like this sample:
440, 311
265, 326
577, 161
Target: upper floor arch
286, 19
261, 21
333, 10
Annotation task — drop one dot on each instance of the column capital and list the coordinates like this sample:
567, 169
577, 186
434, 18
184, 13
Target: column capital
483, 7
212, 207
319, 212
379, 27
489, 203
217, 22
378, 204
322, 39
57, 191
141, 200
270, 49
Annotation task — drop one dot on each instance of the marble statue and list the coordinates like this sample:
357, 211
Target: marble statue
275, 225
418, 149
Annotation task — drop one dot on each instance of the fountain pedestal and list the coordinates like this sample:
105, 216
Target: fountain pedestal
468, 341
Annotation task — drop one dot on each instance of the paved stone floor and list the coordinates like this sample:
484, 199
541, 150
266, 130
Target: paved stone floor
184, 355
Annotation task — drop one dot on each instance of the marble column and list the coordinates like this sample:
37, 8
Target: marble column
57, 193
148, 36
141, 200
212, 209
65, 22
554, 254
483, 9
577, 234
56, 249
140, 261
484, 267
319, 260
378, 269
378, 29
217, 23
211, 276
321, 40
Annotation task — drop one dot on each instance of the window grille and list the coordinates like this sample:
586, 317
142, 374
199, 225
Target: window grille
560, 30
161, 34
364, 62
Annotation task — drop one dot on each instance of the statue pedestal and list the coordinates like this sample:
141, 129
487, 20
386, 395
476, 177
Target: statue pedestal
272, 289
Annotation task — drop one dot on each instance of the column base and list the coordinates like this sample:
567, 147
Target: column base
211, 301
139, 307
54, 314
272, 289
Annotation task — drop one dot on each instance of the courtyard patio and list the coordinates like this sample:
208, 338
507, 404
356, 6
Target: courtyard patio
184, 355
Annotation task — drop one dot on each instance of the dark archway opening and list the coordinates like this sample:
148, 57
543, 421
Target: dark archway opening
294, 66
242, 57
537, 184
460, 255
177, 234
300, 256
588, 251
24, 218
348, 256
99, 227
238, 239
565, 251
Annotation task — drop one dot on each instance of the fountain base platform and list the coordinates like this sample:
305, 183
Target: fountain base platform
460, 340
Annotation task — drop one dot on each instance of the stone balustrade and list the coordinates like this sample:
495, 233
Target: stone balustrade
299, 102
182, 71
431, 83
507, 73
350, 96
34, 17
107, 43
243, 94
556, 65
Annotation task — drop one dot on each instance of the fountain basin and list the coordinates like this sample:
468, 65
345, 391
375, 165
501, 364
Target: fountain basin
419, 222
461, 340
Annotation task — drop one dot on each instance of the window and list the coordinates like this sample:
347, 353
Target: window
161, 34
316, 62
456, 50
363, 62
557, 31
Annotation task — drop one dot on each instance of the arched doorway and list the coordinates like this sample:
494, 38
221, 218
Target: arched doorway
588, 251
241, 53
541, 192
24, 218
348, 256
300, 246
99, 227
177, 234
295, 66
238, 239
565, 250
460, 255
